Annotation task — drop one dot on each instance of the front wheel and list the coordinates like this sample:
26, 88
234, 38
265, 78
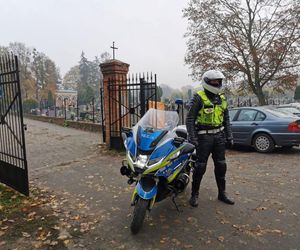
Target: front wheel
263, 143
139, 215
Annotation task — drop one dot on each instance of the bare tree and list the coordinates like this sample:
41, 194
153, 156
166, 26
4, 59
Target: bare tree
256, 42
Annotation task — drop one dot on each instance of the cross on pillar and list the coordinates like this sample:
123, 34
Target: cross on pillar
114, 48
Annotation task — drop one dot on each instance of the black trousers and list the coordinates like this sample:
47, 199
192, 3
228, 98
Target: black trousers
209, 144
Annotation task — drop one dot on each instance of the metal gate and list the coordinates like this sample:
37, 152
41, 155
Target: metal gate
13, 162
129, 99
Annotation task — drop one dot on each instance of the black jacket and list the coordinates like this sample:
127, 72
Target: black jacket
195, 106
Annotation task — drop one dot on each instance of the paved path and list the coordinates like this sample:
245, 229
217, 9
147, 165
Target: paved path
49, 146
266, 187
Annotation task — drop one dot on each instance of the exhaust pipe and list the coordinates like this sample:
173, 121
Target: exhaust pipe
182, 181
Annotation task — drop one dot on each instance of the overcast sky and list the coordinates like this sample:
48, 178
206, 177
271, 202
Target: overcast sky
148, 33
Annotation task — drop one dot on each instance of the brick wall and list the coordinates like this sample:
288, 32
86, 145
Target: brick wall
113, 70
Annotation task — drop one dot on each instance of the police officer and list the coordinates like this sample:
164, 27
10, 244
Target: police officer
209, 130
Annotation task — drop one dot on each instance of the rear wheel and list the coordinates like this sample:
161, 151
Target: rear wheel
263, 143
139, 215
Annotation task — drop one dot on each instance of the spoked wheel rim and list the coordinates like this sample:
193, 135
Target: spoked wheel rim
262, 143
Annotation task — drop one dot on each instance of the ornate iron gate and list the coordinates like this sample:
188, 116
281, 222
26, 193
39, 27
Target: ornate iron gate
129, 99
13, 162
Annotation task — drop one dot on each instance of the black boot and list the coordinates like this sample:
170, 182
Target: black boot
221, 183
195, 191
194, 200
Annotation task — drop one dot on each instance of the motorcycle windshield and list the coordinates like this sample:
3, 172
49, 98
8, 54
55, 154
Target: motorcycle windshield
153, 127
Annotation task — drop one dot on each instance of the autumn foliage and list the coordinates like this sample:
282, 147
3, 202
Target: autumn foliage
38, 73
255, 42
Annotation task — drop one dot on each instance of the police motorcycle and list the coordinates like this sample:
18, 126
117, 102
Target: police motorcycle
158, 161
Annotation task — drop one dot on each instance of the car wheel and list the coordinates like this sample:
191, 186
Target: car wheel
263, 143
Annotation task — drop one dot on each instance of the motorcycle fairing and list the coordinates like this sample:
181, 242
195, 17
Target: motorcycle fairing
147, 139
131, 146
170, 169
135, 194
164, 149
146, 188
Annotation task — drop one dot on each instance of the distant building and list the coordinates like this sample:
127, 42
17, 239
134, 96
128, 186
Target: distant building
66, 97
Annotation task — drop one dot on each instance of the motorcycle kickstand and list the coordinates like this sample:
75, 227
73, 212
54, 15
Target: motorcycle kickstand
174, 202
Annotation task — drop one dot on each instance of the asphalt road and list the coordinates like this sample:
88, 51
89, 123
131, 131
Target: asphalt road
266, 188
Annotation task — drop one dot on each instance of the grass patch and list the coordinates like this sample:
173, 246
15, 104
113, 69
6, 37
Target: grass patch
66, 123
11, 200
29, 220
104, 150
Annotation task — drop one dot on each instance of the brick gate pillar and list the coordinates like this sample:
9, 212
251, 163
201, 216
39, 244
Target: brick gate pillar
114, 72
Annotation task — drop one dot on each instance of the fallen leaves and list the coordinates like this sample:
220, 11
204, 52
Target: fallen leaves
221, 238
162, 241
188, 246
260, 208
192, 220
66, 242
63, 235
26, 235
43, 235
53, 243
56, 227
176, 242
39, 226
77, 217
258, 231
31, 216
224, 221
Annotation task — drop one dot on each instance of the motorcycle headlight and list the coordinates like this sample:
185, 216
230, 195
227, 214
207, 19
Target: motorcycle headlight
141, 161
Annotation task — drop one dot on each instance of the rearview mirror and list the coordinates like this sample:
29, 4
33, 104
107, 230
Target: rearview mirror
126, 130
178, 141
124, 136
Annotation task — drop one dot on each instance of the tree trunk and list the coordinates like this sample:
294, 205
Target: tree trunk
261, 97
37, 91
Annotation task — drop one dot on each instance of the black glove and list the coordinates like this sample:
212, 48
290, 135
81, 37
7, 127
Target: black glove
194, 141
229, 143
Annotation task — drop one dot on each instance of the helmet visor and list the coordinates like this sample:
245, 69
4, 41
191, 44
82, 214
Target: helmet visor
215, 82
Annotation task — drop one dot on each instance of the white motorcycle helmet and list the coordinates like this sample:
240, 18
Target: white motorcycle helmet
212, 81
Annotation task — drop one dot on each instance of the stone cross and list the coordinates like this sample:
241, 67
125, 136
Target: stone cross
114, 48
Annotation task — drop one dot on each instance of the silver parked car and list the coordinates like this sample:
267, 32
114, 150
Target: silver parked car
264, 128
294, 110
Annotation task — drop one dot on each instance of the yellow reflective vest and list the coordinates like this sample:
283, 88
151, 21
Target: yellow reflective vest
211, 114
